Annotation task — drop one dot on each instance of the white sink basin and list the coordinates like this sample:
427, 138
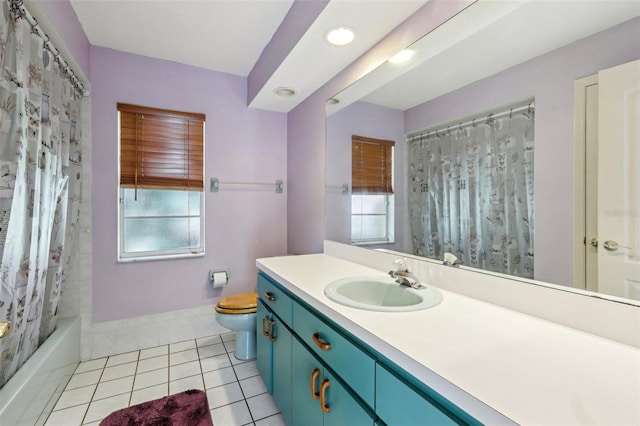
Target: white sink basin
381, 294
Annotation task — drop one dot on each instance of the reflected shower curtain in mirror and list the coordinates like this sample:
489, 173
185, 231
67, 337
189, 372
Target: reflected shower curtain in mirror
40, 186
471, 192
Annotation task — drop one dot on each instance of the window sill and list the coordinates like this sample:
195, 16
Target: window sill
372, 243
159, 257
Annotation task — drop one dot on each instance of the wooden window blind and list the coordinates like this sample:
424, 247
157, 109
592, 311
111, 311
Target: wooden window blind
161, 149
371, 165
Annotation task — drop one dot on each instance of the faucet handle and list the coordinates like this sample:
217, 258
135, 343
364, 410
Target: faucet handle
400, 265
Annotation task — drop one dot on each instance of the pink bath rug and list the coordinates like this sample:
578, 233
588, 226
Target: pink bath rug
188, 408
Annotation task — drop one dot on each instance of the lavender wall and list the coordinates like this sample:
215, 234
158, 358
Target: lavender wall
372, 121
62, 16
306, 127
242, 145
550, 78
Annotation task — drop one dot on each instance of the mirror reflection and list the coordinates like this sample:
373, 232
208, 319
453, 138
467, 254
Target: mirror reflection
500, 150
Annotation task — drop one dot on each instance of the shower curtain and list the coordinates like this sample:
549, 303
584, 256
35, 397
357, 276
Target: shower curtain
40, 186
471, 192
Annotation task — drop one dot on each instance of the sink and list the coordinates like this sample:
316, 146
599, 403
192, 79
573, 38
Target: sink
381, 294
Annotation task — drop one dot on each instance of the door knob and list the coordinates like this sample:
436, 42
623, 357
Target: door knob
611, 245
593, 242
5, 328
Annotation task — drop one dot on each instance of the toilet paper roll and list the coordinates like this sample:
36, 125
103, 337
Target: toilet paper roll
219, 279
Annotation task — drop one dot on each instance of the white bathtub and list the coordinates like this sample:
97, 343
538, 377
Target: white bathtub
29, 396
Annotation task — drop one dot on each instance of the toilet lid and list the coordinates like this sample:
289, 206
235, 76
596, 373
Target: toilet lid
241, 303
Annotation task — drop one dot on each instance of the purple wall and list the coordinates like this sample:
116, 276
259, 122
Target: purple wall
550, 78
64, 19
306, 127
242, 145
372, 121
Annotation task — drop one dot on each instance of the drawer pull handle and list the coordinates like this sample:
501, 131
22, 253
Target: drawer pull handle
265, 332
271, 336
325, 346
270, 297
323, 391
314, 377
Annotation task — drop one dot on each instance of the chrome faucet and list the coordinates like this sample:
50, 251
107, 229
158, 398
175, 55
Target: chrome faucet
451, 260
403, 276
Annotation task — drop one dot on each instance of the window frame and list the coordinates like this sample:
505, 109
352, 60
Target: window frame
125, 257
380, 186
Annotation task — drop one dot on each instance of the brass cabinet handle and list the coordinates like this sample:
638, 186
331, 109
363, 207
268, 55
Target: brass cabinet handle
271, 336
323, 390
314, 377
5, 328
270, 297
325, 346
265, 332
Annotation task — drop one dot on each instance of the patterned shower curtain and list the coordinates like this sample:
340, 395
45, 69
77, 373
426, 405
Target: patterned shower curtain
40, 186
471, 193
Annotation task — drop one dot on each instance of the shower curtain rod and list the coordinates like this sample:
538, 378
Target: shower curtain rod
18, 8
420, 134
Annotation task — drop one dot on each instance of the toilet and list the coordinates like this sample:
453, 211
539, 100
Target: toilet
238, 312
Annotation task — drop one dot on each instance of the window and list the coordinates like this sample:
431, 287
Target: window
161, 183
372, 209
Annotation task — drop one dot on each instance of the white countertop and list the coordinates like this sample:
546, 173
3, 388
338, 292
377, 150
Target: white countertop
484, 357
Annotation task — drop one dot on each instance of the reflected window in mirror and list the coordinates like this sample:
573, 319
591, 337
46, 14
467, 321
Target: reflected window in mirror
372, 212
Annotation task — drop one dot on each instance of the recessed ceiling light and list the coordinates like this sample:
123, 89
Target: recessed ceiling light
340, 36
284, 91
402, 56
332, 101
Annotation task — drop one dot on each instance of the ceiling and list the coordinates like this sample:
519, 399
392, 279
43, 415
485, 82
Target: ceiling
229, 36
472, 46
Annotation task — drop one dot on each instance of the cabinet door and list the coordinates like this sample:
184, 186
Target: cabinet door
342, 408
264, 346
305, 407
312, 385
280, 336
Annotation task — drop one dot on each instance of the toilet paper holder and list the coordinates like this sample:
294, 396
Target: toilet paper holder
218, 277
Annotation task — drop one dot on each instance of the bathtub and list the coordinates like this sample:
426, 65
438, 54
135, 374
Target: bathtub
29, 396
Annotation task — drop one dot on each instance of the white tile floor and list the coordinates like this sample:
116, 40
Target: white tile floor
235, 391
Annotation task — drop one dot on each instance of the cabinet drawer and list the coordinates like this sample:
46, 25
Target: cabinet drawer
349, 362
399, 404
275, 299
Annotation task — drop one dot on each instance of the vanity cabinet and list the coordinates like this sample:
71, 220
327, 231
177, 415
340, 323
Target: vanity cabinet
319, 398
320, 375
274, 343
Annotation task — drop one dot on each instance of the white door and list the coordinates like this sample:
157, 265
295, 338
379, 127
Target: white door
619, 186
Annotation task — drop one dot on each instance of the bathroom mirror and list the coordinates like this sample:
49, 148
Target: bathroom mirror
490, 57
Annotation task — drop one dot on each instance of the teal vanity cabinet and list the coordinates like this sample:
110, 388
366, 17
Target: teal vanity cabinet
274, 343
319, 398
